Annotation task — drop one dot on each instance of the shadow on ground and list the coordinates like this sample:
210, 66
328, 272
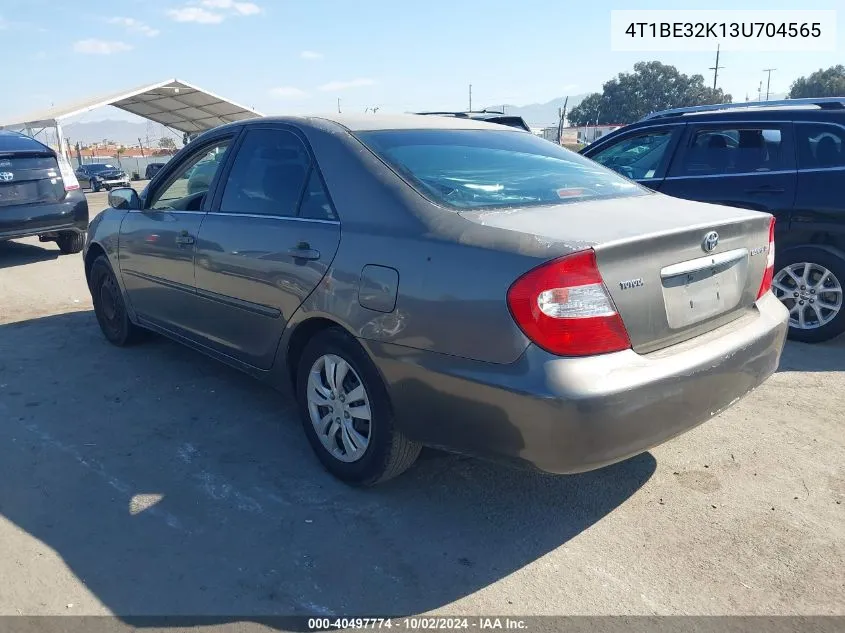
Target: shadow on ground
172, 485
828, 356
20, 254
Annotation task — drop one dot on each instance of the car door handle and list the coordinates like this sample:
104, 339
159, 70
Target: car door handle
184, 239
766, 189
303, 250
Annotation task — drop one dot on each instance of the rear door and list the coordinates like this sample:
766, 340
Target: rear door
643, 154
747, 165
265, 245
820, 199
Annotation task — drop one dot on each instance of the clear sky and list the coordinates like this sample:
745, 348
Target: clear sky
281, 56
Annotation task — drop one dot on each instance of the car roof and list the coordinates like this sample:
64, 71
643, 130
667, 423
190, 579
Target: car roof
761, 109
17, 142
756, 114
373, 122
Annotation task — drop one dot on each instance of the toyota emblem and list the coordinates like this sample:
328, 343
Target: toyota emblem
6, 176
710, 242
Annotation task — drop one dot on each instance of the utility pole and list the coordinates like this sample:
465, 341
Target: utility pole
338, 105
470, 97
716, 68
760, 91
769, 80
141, 145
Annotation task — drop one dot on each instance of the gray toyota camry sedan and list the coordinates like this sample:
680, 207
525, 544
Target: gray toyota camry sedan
426, 281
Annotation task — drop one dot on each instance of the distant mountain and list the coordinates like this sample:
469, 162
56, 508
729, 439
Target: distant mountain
121, 132
542, 114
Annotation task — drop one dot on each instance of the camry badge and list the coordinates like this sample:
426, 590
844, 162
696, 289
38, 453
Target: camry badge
710, 242
631, 283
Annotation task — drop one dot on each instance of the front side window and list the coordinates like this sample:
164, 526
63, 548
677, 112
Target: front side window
472, 169
718, 151
268, 175
186, 188
637, 156
820, 145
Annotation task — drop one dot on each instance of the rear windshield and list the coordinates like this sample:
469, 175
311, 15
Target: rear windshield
472, 169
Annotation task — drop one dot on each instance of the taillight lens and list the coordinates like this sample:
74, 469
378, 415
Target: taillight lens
766, 285
563, 307
68, 177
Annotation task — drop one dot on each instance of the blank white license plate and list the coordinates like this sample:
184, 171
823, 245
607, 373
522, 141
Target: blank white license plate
700, 289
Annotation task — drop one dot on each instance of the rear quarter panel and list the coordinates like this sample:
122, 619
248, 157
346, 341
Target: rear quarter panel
453, 274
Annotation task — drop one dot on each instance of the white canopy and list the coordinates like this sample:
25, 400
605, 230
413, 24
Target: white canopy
173, 103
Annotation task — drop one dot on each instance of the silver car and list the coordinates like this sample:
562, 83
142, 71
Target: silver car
420, 280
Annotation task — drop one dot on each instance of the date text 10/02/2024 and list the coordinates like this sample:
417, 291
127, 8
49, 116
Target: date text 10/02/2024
418, 623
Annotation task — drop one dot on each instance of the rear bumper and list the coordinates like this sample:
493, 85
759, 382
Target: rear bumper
566, 415
35, 219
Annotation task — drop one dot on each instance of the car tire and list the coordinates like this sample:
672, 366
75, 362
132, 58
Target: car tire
109, 306
809, 280
95, 187
70, 242
381, 450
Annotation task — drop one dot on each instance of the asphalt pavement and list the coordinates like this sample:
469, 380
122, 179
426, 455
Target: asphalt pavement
152, 480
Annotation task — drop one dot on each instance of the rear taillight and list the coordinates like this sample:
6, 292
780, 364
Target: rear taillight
563, 307
766, 285
68, 177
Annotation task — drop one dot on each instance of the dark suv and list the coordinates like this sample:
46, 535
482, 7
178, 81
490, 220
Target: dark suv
784, 157
39, 194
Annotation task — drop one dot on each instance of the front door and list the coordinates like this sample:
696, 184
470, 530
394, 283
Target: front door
157, 243
748, 165
264, 246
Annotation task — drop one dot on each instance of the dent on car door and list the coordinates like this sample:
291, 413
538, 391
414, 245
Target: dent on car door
157, 245
749, 165
642, 155
265, 246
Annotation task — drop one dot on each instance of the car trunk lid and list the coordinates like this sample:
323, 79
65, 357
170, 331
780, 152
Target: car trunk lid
673, 268
30, 177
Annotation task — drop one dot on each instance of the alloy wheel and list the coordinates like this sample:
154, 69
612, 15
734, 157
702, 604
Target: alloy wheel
811, 293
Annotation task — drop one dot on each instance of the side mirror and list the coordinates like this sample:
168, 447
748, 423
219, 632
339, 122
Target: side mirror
125, 198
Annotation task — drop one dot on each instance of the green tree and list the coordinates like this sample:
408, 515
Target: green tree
822, 83
652, 86
165, 142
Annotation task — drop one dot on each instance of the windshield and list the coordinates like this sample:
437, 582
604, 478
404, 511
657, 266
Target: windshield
100, 167
471, 169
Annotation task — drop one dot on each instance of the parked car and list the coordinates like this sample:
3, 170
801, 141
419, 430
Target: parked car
152, 169
96, 176
486, 115
493, 293
783, 157
39, 195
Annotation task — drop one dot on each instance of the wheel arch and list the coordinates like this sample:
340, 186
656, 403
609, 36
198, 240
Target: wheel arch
298, 338
95, 249
833, 250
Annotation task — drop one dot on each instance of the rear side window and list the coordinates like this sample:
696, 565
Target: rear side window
820, 145
315, 201
268, 174
637, 156
472, 169
732, 151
